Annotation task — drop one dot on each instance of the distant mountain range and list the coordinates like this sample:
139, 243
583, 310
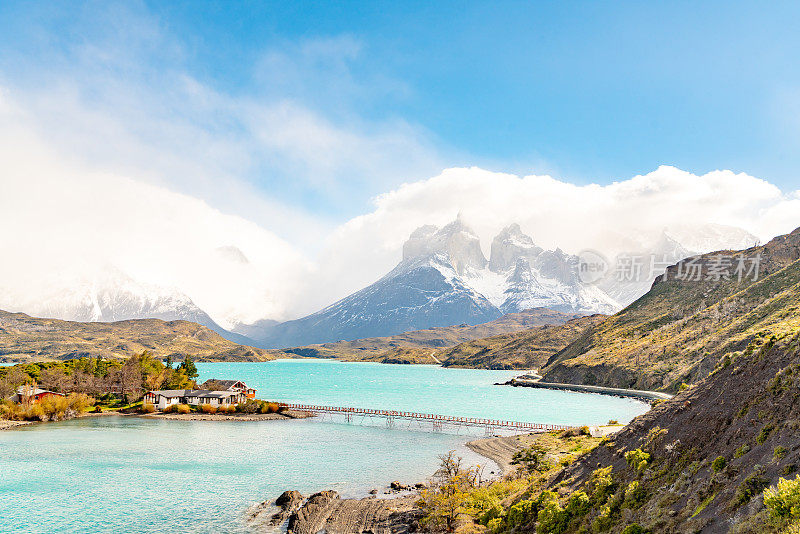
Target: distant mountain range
445, 279
111, 295
419, 346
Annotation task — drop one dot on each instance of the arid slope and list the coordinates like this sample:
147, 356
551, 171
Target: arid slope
25, 338
528, 349
680, 330
418, 346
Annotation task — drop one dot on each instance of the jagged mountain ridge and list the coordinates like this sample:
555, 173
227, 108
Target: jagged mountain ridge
444, 279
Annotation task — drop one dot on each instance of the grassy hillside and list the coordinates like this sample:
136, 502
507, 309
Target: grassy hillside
697, 463
528, 349
25, 338
680, 330
418, 346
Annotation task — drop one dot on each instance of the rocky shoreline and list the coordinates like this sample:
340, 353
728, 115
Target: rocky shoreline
326, 511
6, 424
287, 414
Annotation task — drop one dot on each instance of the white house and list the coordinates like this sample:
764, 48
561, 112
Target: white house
161, 399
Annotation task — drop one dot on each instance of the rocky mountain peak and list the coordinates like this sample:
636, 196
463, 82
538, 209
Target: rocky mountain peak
510, 245
456, 241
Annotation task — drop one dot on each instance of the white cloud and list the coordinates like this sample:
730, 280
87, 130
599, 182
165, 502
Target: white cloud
63, 222
620, 216
111, 151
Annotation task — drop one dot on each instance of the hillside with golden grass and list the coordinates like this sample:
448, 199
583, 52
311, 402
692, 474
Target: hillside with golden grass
25, 338
420, 346
680, 330
528, 349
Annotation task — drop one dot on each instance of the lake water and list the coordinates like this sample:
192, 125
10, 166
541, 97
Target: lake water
128, 474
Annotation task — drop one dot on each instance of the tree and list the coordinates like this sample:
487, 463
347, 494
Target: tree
449, 497
531, 459
168, 363
188, 368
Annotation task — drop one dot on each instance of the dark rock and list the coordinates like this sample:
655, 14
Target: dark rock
288, 497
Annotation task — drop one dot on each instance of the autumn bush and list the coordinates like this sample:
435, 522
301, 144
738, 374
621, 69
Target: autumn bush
783, 500
249, 406
49, 408
147, 407
207, 408
183, 408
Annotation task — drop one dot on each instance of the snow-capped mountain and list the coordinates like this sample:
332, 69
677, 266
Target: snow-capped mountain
425, 290
521, 275
444, 279
110, 295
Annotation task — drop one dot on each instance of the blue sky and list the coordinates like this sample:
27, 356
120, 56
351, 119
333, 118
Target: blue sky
590, 92
315, 137
599, 91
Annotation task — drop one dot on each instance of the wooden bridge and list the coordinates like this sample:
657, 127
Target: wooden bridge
437, 421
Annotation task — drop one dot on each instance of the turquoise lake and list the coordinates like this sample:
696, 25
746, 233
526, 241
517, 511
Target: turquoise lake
130, 474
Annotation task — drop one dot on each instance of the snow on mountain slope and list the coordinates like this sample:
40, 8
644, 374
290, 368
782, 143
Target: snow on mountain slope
424, 290
109, 295
444, 279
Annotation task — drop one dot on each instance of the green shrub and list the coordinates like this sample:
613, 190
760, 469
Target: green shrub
532, 459
552, 519
602, 483
604, 520
585, 431
741, 451
637, 459
779, 453
750, 487
634, 528
613, 422
766, 430
635, 495
783, 501
718, 464
521, 513
578, 504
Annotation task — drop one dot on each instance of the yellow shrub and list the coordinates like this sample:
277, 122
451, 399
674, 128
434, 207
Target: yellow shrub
183, 408
147, 407
79, 402
207, 408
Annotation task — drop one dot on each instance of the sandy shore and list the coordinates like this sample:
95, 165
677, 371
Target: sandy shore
289, 414
501, 450
6, 424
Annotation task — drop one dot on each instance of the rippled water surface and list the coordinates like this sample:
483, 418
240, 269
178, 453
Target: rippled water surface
129, 474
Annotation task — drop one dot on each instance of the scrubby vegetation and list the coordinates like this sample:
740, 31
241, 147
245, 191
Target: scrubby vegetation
50, 408
113, 382
680, 332
460, 496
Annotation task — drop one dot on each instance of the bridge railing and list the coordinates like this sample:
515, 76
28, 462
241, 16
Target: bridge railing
516, 425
